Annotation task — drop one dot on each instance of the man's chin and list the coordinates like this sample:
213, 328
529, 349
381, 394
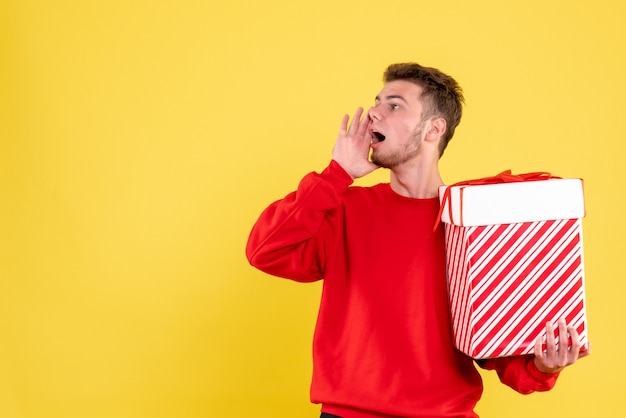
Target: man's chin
381, 163
380, 160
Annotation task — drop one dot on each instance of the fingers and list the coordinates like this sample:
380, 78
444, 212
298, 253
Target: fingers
357, 126
561, 350
344, 125
550, 342
539, 348
574, 349
558, 348
363, 125
356, 122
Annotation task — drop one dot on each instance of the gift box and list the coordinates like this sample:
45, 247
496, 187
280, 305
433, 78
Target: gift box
514, 260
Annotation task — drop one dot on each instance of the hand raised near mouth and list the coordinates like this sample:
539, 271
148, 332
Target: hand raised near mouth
352, 148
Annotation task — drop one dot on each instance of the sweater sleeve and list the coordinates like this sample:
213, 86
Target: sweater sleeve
520, 373
290, 237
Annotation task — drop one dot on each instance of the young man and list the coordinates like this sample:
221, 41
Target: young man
383, 344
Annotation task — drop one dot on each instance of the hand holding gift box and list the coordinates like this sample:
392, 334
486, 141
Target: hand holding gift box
515, 263
555, 358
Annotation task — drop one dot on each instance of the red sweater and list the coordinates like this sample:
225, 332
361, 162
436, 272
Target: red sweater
383, 345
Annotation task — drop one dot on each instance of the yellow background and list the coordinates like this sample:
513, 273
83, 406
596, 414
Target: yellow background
141, 139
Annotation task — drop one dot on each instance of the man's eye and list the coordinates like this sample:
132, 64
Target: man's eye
394, 106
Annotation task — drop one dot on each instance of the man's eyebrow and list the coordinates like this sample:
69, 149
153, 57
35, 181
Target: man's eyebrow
391, 97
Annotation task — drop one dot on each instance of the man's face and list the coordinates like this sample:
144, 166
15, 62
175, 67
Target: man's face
396, 127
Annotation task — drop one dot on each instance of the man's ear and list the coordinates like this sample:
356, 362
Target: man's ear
436, 129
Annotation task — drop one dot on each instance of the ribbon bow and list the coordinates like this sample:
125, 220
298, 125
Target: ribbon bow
503, 177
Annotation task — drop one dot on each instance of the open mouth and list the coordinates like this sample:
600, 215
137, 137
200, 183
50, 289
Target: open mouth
380, 137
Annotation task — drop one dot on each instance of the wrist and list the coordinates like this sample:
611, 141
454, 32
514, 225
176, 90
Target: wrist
339, 174
539, 367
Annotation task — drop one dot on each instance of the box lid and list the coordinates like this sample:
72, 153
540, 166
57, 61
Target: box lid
504, 203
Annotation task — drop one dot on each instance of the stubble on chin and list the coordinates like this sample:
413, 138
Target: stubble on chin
401, 156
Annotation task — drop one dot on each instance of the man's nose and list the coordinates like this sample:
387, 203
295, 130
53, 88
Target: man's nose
374, 113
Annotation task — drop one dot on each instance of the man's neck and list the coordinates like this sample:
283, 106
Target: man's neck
418, 180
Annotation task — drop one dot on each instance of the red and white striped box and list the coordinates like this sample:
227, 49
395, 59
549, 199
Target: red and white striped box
514, 262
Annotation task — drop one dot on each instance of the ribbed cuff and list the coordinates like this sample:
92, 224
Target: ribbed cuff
336, 175
548, 379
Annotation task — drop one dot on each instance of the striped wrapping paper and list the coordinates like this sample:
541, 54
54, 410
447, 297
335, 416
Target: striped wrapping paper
507, 280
